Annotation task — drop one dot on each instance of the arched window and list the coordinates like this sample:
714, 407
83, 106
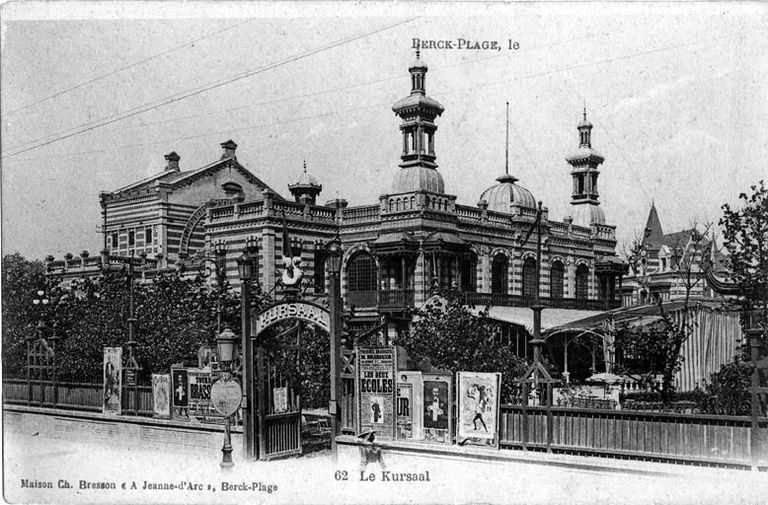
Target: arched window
499, 269
361, 273
529, 277
582, 280
556, 275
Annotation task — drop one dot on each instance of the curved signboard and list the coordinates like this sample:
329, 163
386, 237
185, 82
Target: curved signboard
306, 311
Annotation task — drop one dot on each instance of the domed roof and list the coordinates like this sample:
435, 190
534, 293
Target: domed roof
417, 63
586, 214
418, 178
506, 193
306, 179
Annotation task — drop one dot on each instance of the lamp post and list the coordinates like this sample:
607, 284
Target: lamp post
226, 343
334, 253
247, 266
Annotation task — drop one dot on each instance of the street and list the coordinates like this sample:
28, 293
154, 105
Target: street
93, 473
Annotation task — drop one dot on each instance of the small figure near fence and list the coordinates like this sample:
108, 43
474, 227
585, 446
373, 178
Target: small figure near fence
369, 451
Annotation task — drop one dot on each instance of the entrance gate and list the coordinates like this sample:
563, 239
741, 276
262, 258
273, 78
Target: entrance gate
278, 420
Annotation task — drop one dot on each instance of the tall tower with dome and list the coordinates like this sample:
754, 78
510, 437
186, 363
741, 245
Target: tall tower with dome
584, 163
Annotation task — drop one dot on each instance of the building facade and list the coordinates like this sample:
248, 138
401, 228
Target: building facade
416, 238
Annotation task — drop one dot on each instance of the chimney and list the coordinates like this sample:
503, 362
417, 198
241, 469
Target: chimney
173, 162
228, 149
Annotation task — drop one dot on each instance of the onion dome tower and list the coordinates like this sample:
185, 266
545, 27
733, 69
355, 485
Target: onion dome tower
584, 162
507, 196
418, 170
307, 187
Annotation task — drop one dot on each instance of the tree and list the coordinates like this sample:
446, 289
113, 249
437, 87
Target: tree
745, 236
455, 339
21, 281
660, 344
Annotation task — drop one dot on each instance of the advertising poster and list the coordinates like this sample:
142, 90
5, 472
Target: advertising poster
404, 411
414, 380
280, 400
179, 388
376, 369
478, 405
437, 407
161, 395
199, 393
112, 391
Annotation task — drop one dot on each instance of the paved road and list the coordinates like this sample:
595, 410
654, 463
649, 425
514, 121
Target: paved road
313, 480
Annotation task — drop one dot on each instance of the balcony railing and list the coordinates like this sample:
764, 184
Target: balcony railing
361, 298
395, 298
504, 300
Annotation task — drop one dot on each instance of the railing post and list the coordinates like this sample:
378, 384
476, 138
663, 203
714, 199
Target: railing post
524, 405
753, 336
549, 417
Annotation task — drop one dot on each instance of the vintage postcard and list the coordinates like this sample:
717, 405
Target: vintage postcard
384, 252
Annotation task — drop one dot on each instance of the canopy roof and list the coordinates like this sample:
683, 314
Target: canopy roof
550, 318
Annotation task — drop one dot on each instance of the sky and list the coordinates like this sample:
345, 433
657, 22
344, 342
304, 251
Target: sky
94, 94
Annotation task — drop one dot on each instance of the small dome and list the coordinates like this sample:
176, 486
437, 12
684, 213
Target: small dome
586, 214
306, 179
585, 123
418, 64
506, 193
418, 178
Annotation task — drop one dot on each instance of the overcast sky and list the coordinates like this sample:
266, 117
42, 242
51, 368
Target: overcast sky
677, 94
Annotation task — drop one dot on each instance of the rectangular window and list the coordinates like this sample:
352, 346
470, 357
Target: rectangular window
148, 235
114, 240
131, 238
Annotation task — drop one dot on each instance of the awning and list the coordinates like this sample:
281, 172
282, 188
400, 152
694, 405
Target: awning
550, 318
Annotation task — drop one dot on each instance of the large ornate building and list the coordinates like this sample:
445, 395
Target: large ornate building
396, 250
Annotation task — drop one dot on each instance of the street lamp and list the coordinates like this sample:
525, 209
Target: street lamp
247, 267
226, 343
334, 254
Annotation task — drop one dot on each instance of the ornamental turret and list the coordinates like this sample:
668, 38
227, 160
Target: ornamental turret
418, 169
584, 162
306, 188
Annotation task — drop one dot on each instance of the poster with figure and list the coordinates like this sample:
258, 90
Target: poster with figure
161, 404
179, 392
112, 390
375, 383
478, 406
413, 383
437, 406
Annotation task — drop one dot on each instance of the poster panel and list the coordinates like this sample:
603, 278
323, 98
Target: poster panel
199, 394
412, 398
437, 407
180, 396
280, 399
161, 395
376, 369
478, 406
112, 391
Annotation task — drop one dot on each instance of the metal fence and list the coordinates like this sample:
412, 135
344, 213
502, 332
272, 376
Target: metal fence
682, 438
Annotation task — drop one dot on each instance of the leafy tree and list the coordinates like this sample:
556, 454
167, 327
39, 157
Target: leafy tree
455, 339
745, 236
728, 390
21, 281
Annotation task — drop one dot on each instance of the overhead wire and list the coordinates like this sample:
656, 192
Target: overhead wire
198, 90
126, 67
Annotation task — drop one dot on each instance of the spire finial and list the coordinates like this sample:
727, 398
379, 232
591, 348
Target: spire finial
418, 53
506, 159
585, 109
305, 166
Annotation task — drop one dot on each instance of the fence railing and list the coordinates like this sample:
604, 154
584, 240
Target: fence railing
702, 439
75, 396
505, 300
395, 298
